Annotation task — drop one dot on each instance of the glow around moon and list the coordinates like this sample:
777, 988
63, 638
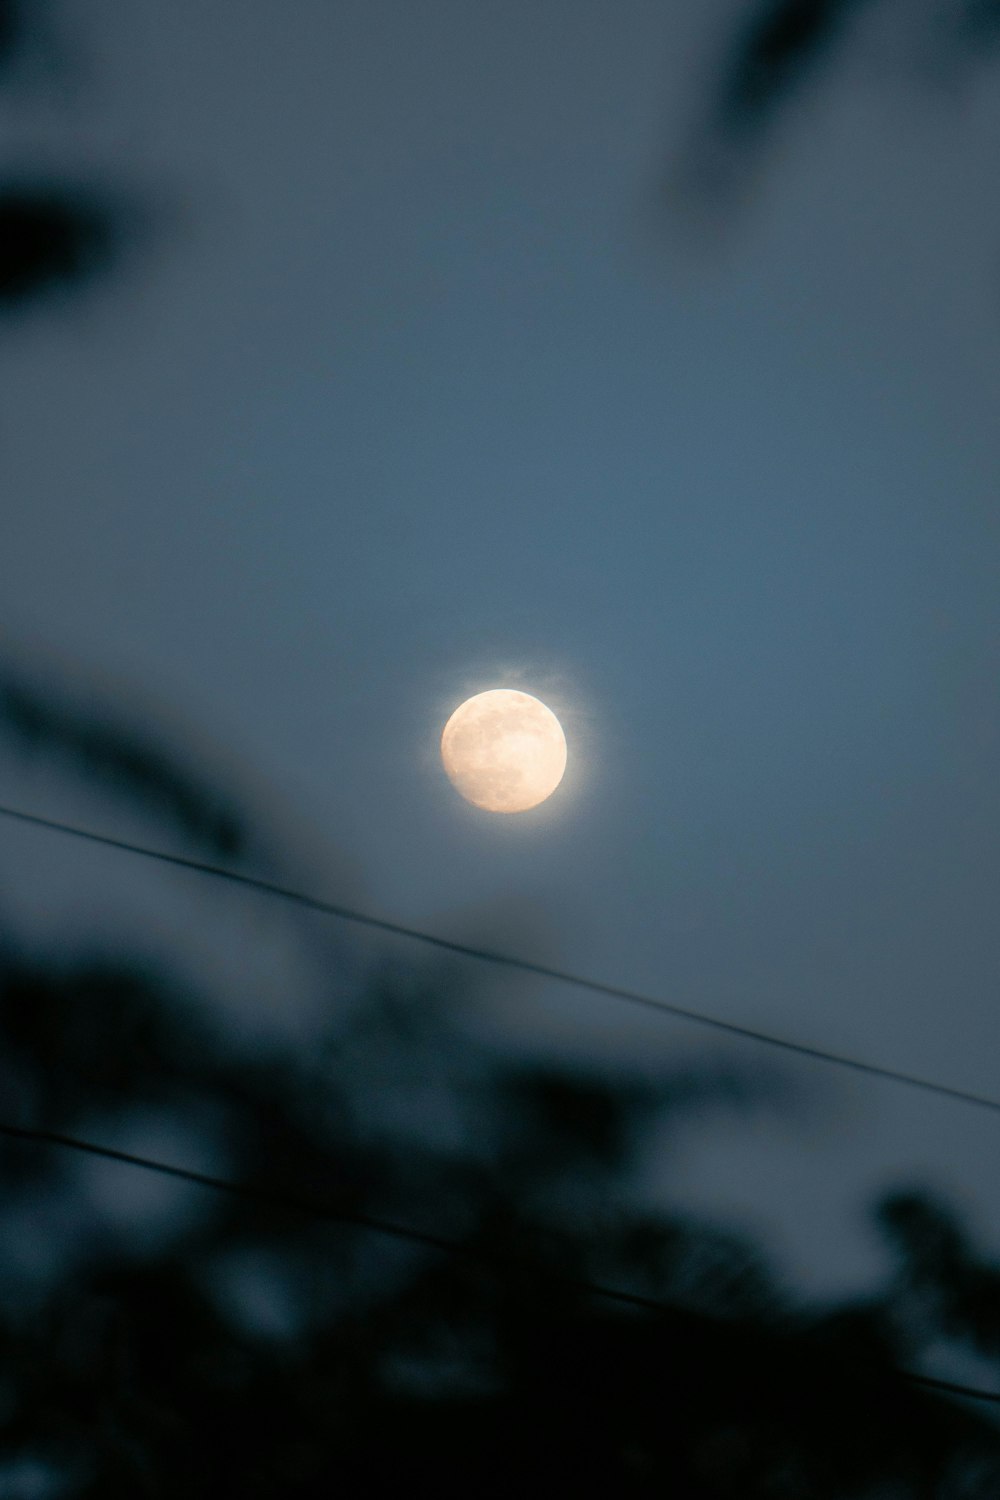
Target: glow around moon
504, 751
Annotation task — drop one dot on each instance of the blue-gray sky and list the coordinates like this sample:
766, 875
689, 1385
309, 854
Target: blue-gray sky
428, 386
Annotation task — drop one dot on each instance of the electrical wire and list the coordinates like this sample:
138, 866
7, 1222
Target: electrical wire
509, 961
291, 1202
313, 1208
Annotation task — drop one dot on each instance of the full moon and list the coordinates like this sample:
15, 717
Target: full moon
504, 751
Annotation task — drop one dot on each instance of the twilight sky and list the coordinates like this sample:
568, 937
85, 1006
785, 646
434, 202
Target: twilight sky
423, 385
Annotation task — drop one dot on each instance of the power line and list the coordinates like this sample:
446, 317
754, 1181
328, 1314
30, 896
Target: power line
509, 961
291, 1202
313, 1208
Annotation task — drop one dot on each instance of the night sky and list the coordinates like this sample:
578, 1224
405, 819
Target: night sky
431, 372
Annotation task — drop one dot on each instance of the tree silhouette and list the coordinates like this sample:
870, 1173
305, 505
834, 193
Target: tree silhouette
274, 1341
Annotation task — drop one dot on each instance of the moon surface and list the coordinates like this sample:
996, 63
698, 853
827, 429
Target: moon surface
504, 750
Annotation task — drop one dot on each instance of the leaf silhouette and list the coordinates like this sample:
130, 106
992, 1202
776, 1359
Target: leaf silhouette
52, 236
782, 43
950, 1290
122, 759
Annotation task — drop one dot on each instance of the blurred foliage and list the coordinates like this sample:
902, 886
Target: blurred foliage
781, 42
52, 236
42, 722
778, 47
205, 1341
56, 234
